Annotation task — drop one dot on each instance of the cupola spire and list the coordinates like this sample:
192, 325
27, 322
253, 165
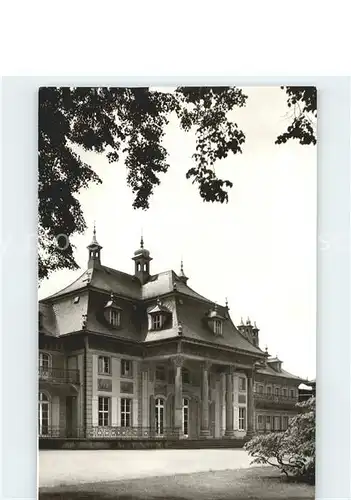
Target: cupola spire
94, 251
182, 276
142, 262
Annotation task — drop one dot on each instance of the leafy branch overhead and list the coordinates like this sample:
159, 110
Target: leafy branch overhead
132, 122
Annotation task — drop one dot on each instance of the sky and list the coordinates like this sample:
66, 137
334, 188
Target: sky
258, 250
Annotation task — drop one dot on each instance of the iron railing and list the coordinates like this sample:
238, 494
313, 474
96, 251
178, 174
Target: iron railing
58, 375
108, 432
273, 398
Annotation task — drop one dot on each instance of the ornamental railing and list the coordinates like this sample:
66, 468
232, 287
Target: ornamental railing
259, 396
108, 432
58, 375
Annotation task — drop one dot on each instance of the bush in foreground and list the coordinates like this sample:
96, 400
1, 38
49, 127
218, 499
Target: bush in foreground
291, 451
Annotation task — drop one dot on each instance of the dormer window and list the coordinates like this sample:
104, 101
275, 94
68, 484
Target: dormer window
112, 312
215, 321
115, 317
156, 322
217, 325
159, 316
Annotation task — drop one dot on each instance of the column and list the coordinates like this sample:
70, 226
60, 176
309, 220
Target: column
250, 405
229, 430
205, 429
178, 396
144, 398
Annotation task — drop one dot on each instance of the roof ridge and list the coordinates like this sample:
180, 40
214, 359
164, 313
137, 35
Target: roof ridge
117, 271
62, 290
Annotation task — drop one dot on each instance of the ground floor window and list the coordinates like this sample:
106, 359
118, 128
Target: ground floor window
260, 423
159, 416
126, 412
277, 423
242, 419
186, 417
43, 414
285, 423
104, 409
268, 423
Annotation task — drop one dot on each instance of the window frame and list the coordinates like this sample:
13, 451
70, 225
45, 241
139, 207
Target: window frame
217, 327
101, 365
242, 418
156, 321
44, 402
125, 412
186, 375
160, 423
103, 412
114, 313
126, 373
158, 369
245, 384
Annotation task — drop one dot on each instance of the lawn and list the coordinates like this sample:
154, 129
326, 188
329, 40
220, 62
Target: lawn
258, 483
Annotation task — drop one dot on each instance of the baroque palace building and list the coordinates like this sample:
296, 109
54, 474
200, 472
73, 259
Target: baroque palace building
143, 356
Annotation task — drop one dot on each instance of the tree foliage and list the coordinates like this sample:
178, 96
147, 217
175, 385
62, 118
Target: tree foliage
291, 451
131, 122
302, 101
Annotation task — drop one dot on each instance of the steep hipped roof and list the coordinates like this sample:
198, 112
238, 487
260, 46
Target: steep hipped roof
120, 283
268, 370
47, 324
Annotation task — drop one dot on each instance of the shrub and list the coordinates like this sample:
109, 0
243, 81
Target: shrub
291, 451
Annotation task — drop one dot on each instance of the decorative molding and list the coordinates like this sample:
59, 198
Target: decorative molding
127, 387
230, 369
178, 361
206, 365
104, 384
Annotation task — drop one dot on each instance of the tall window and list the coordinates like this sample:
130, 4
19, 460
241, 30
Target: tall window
277, 423
242, 384
260, 422
185, 417
292, 393
43, 414
284, 393
269, 390
126, 412
104, 411
126, 368
268, 423
260, 389
276, 391
160, 373
115, 317
156, 321
104, 365
159, 416
285, 423
242, 419
217, 327
44, 364
185, 376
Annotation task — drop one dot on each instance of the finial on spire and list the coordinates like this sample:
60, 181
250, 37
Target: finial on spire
181, 266
111, 296
248, 322
226, 302
266, 349
242, 321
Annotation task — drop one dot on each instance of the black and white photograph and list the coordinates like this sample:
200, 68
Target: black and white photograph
177, 268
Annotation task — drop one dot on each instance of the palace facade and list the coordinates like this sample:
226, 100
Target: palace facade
143, 356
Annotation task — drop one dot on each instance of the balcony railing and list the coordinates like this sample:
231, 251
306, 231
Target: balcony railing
108, 432
59, 375
273, 398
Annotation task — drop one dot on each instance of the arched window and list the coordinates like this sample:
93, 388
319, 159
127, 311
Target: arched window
43, 414
159, 416
44, 364
186, 414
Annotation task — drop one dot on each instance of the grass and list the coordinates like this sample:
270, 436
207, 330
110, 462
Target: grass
259, 483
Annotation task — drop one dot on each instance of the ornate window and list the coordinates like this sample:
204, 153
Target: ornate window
104, 409
112, 312
126, 412
104, 365
43, 414
159, 316
269, 390
292, 393
215, 321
